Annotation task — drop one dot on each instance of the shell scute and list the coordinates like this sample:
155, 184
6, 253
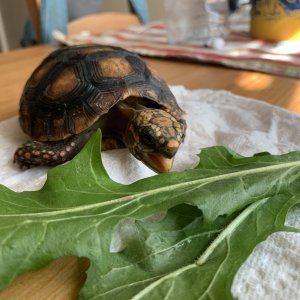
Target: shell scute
63, 84
40, 72
115, 67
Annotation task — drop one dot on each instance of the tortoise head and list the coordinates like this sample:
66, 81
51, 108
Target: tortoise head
153, 136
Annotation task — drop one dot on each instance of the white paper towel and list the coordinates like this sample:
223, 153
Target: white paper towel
214, 118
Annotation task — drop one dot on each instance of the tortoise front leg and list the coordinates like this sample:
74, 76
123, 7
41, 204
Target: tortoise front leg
35, 153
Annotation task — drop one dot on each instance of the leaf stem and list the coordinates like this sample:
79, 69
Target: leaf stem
160, 190
228, 231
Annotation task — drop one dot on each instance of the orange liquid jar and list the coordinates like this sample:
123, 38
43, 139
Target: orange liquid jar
275, 20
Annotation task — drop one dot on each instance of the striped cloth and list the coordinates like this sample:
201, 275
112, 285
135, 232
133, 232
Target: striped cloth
238, 50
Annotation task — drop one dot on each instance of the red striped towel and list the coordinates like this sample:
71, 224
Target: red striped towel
239, 49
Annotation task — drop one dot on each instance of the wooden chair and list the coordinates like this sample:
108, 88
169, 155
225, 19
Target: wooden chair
95, 23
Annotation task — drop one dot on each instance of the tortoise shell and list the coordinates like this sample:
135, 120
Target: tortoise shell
74, 86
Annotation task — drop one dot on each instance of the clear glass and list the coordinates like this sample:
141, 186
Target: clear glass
202, 20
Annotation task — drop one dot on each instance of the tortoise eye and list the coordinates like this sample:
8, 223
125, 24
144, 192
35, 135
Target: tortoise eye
147, 139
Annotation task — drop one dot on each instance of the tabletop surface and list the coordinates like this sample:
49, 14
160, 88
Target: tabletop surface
64, 277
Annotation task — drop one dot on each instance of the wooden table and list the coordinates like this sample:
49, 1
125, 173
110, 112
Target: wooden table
63, 278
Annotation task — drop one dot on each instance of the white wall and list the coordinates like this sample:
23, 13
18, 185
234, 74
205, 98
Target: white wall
13, 14
3, 36
155, 7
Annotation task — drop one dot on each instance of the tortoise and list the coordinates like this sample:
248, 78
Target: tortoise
78, 89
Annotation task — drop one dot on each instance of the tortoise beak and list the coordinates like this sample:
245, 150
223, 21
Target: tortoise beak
159, 163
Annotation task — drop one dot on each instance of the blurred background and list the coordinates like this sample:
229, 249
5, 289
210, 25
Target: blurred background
14, 13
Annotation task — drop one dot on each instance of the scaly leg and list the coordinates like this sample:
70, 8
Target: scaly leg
35, 153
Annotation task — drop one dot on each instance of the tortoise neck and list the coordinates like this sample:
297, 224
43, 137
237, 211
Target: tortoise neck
116, 121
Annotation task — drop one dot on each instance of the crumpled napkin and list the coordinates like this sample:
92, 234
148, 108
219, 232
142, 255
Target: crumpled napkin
214, 117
